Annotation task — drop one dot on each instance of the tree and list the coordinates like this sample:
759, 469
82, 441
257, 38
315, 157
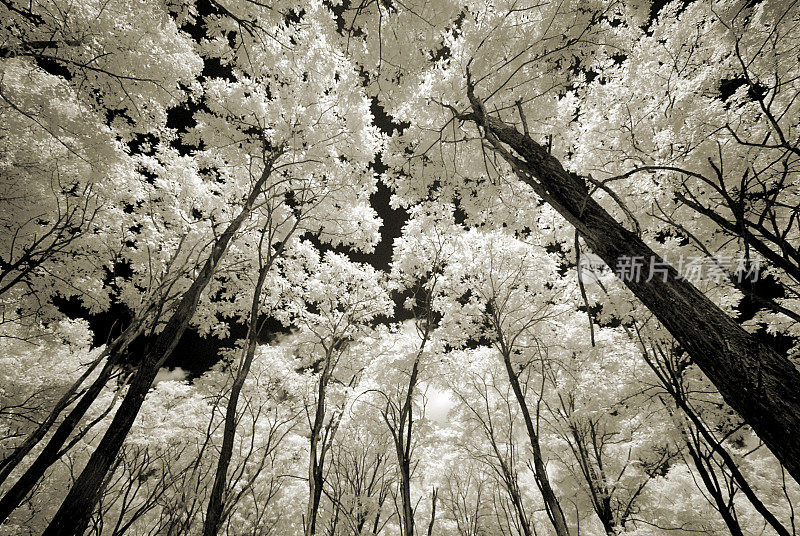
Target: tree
504, 285
601, 407
337, 300
270, 247
701, 443
72, 516
236, 151
489, 403
485, 77
397, 397
359, 477
260, 458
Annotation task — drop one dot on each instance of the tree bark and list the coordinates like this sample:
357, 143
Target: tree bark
760, 384
73, 515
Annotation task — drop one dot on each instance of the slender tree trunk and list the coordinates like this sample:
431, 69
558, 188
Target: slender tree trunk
111, 353
402, 441
711, 484
215, 503
736, 474
49, 455
760, 384
317, 455
601, 500
73, 515
434, 495
376, 524
554, 511
510, 481
671, 381
11, 461
402, 435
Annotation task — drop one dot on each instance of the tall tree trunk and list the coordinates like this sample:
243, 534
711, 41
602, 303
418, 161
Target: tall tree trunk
53, 449
49, 455
553, 507
434, 495
402, 434
402, 443
215, 502
598, 491
760, 384
111, 353
73, 515
706, 472
317, 455
10, 462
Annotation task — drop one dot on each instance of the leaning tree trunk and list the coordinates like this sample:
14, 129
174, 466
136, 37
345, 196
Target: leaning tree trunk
760, 384
53, 448
73, 515
214, 512
50, 453
16, 456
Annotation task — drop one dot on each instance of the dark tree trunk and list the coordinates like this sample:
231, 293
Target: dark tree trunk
318, 448
712, 486
215, 503
111, 354
402, 443
12, 499
670, 378
434, 495
757, 382
598, 491
552, 505
402, 434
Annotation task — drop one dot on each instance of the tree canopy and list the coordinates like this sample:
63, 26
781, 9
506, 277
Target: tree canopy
589, 321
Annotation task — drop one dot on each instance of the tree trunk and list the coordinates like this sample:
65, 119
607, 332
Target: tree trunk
712, 486
402, 436
757, 382
317, 455
598, 491
215, 502
434, 495
73, 515
670, 379
402, 441
49, 455
111, 353
11, 461
551, 503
